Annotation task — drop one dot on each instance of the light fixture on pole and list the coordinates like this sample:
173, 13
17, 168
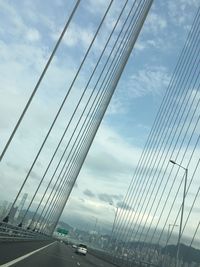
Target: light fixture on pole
182, 211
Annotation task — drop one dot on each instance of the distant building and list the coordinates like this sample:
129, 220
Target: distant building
19, 212
12, 213
4, 208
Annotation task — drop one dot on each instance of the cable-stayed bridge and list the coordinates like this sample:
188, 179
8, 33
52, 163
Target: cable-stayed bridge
158, 223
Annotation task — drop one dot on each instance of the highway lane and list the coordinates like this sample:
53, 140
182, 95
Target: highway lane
60, 255
12, 250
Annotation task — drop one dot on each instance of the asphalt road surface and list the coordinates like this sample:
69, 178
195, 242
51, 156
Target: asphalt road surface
54, 254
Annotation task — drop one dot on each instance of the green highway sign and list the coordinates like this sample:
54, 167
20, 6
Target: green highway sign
62, 231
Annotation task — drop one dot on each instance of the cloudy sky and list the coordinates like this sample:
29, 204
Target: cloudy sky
28, 32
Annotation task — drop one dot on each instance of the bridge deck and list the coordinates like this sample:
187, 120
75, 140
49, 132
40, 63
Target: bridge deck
57, 254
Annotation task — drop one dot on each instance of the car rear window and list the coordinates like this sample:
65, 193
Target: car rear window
82, 246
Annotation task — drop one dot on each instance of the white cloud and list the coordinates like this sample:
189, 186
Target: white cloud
155, 23
116, 107
150, 80
112, 143
140, 45
77, 36
180, 11
109, 164
96, 7
33, 35
17, 25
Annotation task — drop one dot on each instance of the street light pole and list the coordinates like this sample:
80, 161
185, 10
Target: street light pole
182, 211
168, 237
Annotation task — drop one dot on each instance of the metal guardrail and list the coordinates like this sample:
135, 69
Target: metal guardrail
10, 232
131, 262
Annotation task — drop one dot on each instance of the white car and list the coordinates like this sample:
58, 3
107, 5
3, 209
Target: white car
81, 249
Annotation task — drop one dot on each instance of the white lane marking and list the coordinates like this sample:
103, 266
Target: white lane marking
78, 263
25, 256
